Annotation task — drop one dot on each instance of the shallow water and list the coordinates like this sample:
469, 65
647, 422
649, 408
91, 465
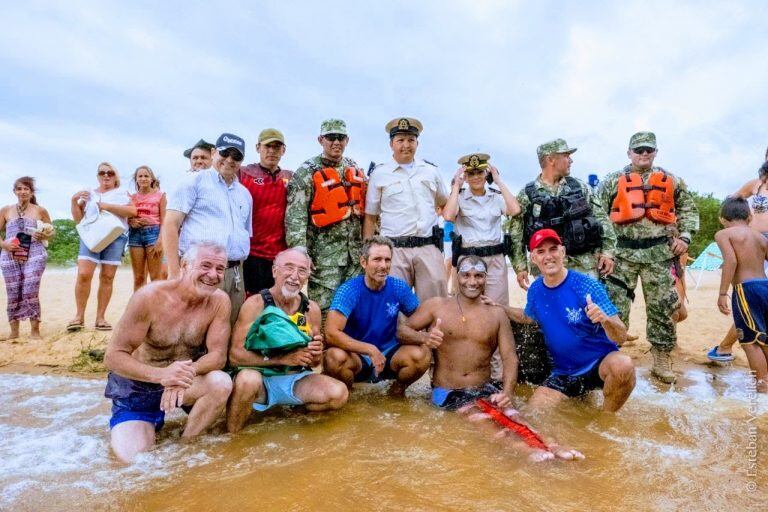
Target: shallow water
680, 449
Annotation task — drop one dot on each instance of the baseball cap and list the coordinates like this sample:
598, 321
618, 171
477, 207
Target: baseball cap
228, 140
271, 135
541, 236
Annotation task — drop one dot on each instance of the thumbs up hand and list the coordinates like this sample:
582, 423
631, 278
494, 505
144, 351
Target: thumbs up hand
594, 312
434, 335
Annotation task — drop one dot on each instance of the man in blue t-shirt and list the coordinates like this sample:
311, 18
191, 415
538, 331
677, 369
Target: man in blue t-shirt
361, 328
581, 327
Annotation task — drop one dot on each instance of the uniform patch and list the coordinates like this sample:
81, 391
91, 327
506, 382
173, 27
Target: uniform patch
536, 211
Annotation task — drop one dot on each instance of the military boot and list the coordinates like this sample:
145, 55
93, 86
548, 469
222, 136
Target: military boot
662, 366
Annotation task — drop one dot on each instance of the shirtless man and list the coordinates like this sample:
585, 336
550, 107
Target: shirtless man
154, 356
471, 332
264, 381
745, 251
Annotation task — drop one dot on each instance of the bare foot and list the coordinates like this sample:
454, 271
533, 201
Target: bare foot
541, 456
12, 336
35, 336
567, 453
479, 416
464, 409
762, 386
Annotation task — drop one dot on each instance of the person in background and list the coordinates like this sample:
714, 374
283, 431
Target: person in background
756, 192
144, 240
23, 263
108, 196
200, 156
268, 185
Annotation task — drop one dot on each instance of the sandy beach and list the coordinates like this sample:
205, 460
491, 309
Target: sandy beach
62, 352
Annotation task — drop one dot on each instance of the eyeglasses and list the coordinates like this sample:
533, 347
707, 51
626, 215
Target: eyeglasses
107, 173
333, 137
643, 151
290, 269
232, 153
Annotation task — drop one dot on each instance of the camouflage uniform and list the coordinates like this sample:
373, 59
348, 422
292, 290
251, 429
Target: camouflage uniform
653, 265
334, 249
585, 263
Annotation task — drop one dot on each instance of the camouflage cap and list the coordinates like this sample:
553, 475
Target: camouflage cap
404, 125
475, 161
554, 147
643, 140
333, 126
271, 135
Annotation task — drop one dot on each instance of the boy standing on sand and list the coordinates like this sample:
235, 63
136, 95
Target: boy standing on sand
744, 252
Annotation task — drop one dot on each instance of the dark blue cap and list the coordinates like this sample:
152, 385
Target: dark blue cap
228, 140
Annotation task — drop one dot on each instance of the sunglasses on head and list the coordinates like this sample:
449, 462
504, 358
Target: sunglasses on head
333, 137
643, 150
232, 153
107, 173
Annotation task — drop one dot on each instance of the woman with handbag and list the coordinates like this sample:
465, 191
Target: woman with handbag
27, 226
144, 242
99, 210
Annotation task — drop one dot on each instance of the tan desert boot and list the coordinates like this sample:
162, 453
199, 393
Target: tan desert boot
662, 366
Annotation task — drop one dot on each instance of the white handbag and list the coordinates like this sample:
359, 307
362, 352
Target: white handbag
100, 230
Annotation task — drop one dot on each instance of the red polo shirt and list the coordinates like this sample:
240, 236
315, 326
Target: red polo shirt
269, 192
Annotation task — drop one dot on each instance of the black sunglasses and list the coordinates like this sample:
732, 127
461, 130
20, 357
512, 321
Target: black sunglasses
643, 150
106, 173
232, 153
333, 137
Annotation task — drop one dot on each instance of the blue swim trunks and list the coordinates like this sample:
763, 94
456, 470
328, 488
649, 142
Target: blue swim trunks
750, 311
452, 399
367, 374
133, 400
279, 390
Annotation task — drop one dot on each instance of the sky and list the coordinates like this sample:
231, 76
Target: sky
135, 83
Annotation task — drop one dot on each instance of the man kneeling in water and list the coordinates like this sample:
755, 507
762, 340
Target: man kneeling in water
275, 342
471, 333
154, 356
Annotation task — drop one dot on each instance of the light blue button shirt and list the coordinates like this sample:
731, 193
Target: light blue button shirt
215, 211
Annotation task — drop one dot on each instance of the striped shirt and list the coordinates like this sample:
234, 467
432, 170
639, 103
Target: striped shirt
215, 211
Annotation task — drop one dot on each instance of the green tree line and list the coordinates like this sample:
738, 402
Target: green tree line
63, 248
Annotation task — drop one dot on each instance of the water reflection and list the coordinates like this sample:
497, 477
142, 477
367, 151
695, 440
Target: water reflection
673, 449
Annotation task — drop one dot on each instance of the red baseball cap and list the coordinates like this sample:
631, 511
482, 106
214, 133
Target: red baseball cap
541, 235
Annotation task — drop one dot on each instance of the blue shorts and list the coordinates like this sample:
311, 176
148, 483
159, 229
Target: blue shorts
280, 390
110, 255
452, 399
574, 386
143, 237
133, 400
750, 311
367, 373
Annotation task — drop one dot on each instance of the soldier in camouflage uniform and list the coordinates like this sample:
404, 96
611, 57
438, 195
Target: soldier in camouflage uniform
594, 259
647, 246
334, 249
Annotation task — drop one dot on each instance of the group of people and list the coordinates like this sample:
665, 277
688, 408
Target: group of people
231, 329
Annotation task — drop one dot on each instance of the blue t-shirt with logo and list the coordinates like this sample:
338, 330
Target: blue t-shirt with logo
575, 343
372, 314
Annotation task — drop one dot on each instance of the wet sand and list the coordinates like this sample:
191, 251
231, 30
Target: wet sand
60, 351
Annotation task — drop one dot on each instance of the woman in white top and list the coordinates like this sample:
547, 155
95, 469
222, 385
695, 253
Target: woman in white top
108, 197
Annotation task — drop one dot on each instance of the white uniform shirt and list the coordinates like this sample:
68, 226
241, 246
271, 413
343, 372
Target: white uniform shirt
405, 199
479, 218
215, 211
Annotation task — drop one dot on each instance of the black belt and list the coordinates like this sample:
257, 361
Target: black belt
644, 243
411, 241
488, 250
233, 263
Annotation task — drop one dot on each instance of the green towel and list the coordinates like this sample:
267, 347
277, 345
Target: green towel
272, 333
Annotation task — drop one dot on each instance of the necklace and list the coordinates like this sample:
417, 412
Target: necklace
21, 210
463, 318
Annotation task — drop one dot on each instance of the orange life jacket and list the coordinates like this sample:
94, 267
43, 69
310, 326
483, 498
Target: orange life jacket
634, 199
337, 198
